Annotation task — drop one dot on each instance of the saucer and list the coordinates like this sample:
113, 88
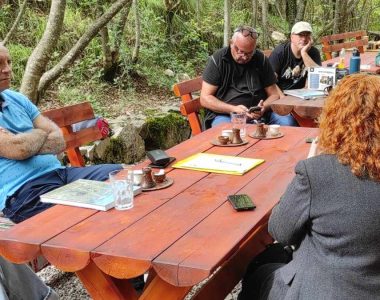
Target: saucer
166, 183
217, 143
267, 137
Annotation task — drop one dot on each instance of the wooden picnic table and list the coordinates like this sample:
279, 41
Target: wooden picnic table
367, 61
304, 111
180, 235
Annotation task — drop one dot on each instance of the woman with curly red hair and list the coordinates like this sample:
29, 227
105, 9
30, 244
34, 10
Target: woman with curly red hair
330, 212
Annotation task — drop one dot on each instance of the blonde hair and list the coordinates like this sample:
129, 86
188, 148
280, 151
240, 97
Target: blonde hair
350, 124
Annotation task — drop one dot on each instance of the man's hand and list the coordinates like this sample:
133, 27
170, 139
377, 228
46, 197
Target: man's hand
22, 145
55, 142
257, 114
239, 109
307, 47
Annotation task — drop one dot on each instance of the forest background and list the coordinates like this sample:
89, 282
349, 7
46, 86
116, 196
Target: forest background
127, 53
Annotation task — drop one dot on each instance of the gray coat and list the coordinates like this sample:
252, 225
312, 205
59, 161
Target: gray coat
333, 218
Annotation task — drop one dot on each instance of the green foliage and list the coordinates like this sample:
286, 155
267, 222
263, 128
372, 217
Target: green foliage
20, 55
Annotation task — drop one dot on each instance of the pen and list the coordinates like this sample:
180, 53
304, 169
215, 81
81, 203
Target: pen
227, 162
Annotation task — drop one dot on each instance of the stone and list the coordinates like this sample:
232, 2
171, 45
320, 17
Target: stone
169, 73
278, 36
165, 131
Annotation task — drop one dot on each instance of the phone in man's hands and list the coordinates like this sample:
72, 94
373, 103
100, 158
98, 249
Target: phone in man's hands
241, 202
254, 109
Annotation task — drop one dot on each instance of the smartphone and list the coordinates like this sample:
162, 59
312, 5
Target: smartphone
254, 109
241, 202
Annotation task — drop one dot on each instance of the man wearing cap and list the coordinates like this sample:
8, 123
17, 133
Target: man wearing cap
238, 77
291, 59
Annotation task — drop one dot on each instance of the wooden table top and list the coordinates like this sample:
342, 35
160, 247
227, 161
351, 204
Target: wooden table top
180, 234
367, 59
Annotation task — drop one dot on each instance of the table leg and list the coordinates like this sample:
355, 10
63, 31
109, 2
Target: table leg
102, 286
304, 122
232, 271
159, 289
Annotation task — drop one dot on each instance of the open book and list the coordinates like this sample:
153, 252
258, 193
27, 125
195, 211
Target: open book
218, 163
84, 193
305, 93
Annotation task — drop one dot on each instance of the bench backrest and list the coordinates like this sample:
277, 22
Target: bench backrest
330, 46
65, 117
191, 104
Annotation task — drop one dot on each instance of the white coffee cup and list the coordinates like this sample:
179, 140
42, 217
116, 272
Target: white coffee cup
137, 177
274, 130
227, 132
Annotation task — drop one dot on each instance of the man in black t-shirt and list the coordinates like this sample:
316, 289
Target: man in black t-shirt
238, 77
291, 59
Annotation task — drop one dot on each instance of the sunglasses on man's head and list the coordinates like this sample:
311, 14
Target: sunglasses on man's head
247, 31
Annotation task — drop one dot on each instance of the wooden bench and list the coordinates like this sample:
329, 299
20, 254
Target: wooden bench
65, 117
191, 104
336, 42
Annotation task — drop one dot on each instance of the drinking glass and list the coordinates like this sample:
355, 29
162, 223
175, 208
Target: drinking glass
239, 120
122, 188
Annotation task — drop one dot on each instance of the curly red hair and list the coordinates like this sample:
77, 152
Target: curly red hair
350, 124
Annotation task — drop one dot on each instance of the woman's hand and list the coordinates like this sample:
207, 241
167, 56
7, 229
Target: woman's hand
314, 150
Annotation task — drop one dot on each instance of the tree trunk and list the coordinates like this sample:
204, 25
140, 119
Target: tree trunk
291, 11
227, 23
301, 5
264, 17
105, 39
15, 23
198, 13
255, 7
337, 16
41, 54
136, 49
51, 75
123, 16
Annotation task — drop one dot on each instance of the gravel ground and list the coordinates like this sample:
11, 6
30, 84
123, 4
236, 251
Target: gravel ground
69, 287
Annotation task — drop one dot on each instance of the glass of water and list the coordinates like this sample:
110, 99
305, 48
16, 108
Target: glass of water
239, 120
122, 188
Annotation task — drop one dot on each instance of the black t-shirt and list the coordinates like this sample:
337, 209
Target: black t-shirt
291, 71
239, 83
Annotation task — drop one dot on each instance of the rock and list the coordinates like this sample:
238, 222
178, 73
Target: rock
169, 73
163, 132
182, 77
125, 146
278, 36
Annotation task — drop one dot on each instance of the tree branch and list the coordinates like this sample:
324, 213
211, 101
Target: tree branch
15, 23
51, 75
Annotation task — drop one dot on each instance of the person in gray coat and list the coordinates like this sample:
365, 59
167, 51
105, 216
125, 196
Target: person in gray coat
330, 211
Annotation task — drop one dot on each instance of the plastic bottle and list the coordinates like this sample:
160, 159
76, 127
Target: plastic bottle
355, 62
342, 54
377, 59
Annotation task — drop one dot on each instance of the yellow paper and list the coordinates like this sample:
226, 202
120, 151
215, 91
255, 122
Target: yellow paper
216, 163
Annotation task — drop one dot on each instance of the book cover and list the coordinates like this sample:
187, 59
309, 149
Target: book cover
84, 193
305, 94
216, 163
320, 77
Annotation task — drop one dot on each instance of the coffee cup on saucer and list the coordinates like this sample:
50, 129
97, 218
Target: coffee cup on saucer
274, 130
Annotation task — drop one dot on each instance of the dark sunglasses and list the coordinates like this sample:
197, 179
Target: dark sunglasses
246, 31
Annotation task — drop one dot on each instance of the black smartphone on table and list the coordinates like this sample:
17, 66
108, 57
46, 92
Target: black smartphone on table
241, 202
